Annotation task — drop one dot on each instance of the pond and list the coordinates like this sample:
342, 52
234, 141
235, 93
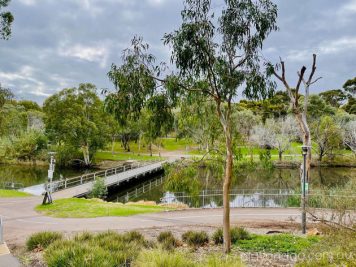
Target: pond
28, 175
153, 188
278, 181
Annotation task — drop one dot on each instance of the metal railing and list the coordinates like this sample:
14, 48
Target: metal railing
138, 191
11, 185
90, 177
263, 198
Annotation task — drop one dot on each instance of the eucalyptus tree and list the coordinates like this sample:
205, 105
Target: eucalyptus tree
215, 58
349, 136
327, 135
300, 111
6, 19
75, 117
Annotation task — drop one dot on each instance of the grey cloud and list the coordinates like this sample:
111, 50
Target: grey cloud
63, 43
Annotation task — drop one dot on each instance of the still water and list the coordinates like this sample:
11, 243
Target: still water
153, 188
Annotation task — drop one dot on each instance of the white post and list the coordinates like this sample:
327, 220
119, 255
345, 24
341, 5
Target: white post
1, 232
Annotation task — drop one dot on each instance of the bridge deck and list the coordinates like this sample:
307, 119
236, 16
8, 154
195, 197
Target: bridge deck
82, 185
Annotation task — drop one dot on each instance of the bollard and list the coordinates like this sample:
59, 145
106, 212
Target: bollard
1, 232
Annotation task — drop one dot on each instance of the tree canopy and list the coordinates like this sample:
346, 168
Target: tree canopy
6, 19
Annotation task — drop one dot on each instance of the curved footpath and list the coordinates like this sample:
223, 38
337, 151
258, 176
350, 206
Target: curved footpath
21, 220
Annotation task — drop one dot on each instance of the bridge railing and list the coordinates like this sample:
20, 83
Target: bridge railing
138, 191
90, 177
11, 185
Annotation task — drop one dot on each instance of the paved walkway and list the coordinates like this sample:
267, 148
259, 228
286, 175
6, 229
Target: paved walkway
20, 219
6, 259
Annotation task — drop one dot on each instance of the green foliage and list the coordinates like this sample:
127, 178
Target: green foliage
29, 105
278, 243
6, 20
5, 95
75, 117
99, 189
134, 236
334, 98
237, 233
317, 108
167, 240
105, 249
182, 178
327, 135
159, 258
42, 240
265, 158
335, 249
195, 238
350, 86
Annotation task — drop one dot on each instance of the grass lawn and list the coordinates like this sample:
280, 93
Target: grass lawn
12, 193
91, 208
102, 155
277, 243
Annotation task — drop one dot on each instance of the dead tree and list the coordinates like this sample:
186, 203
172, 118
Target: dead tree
300, 111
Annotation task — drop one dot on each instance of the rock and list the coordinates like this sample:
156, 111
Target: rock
313, 232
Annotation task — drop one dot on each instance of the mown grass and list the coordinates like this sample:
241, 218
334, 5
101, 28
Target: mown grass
104, 155
12, 193
91, 208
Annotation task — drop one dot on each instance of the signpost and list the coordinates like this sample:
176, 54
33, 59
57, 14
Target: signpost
305, 188
48, 194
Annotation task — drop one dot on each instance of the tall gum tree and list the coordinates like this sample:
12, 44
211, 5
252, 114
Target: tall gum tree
300, 111
215, 57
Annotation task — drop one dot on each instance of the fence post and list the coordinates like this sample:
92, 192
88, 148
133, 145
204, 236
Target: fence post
203, 198
1, 232
124, 168
105, 173
65, 183
81, 179
94, 176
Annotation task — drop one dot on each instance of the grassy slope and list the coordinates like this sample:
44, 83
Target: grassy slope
90, 208
12, 193
103, 155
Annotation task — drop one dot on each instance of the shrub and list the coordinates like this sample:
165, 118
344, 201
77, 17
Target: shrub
194, 238
104, 249
134, 236
216, 260
99, 189
167, 240
42, 240
159, 258
237, 233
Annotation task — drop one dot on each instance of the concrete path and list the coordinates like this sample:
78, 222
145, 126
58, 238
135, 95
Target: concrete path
20, 219
6, 259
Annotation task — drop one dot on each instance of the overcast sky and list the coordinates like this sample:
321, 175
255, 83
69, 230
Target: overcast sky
58, 44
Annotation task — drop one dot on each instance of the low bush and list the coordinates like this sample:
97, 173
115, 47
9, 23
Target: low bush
103, 249
278, 243
159, 258
42, 240
167, 240
237, 233
217, 260
134, 236
195, 238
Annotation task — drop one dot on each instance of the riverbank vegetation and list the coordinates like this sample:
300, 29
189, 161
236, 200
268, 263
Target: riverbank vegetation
91, 208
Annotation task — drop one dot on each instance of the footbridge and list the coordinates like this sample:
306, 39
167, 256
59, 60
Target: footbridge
82, 185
